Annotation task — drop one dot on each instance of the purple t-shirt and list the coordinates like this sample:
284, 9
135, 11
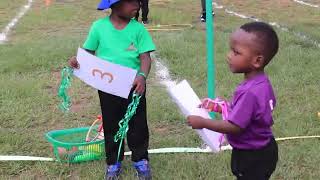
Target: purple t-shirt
251, 110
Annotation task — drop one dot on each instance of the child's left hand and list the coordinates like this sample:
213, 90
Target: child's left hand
196, 122
140, 84
210, 105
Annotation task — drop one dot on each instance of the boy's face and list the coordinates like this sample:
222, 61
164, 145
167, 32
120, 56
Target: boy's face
244, 55
128, 8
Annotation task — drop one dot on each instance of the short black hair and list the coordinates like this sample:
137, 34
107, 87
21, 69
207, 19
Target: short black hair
266, 37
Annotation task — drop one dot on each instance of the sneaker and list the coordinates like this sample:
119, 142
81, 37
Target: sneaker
203, 17
113, 171
143, 170
145, 22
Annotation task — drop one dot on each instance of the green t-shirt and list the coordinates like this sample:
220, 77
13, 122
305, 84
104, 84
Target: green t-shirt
121, 47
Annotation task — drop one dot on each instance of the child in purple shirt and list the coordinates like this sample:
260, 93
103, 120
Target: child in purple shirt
248, 125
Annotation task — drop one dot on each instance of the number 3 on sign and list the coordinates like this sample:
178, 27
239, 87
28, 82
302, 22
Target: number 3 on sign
102, 75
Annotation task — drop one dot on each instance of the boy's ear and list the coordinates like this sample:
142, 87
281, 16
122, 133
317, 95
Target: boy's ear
258, 62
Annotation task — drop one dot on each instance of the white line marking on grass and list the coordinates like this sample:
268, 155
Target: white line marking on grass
241, 15
297, 34
14, 21
275, 24
215, 5
306, 3
162, 72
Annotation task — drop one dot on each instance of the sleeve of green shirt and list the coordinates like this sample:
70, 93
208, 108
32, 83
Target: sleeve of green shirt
145, 43
92, 41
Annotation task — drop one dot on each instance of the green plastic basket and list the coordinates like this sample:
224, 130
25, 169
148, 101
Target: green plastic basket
69, 145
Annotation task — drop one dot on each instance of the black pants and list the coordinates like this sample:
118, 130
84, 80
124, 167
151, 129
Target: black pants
144, 6
113, 110
255, 164
203, 5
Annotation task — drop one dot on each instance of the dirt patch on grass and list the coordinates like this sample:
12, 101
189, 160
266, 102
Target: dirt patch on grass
161, 129
53, 87
280, 3
65, 1
160, 2
81, 103
81, 98
166, 129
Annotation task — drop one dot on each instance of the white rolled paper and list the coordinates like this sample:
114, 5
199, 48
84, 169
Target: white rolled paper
187, 100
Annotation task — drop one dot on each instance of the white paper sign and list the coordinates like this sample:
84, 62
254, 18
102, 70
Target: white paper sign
103, 75
188, 102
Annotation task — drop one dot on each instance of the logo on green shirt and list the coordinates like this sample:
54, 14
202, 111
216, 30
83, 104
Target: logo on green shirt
131, 47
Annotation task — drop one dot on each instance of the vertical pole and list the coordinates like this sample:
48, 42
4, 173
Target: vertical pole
210, 51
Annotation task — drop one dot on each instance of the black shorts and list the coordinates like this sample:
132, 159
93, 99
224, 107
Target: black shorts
255, 164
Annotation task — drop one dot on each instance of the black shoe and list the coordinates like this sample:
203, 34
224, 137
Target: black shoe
145, 22
203, 17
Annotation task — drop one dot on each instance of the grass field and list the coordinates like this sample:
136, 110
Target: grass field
42, 41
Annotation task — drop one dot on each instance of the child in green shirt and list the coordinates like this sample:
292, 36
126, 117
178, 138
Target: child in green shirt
122, 40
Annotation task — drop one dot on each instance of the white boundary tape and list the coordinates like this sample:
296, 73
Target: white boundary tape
151, 151
14, 21
155, 151
24, 158
306, 3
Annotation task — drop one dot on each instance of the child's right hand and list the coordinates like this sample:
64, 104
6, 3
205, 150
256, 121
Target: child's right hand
196, 122
210, 105
73, 62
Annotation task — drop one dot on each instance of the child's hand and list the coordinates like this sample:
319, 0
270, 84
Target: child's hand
210, 105
196, 122
73, 62
140, 84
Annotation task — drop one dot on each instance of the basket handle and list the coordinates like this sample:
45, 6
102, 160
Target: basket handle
91, 127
